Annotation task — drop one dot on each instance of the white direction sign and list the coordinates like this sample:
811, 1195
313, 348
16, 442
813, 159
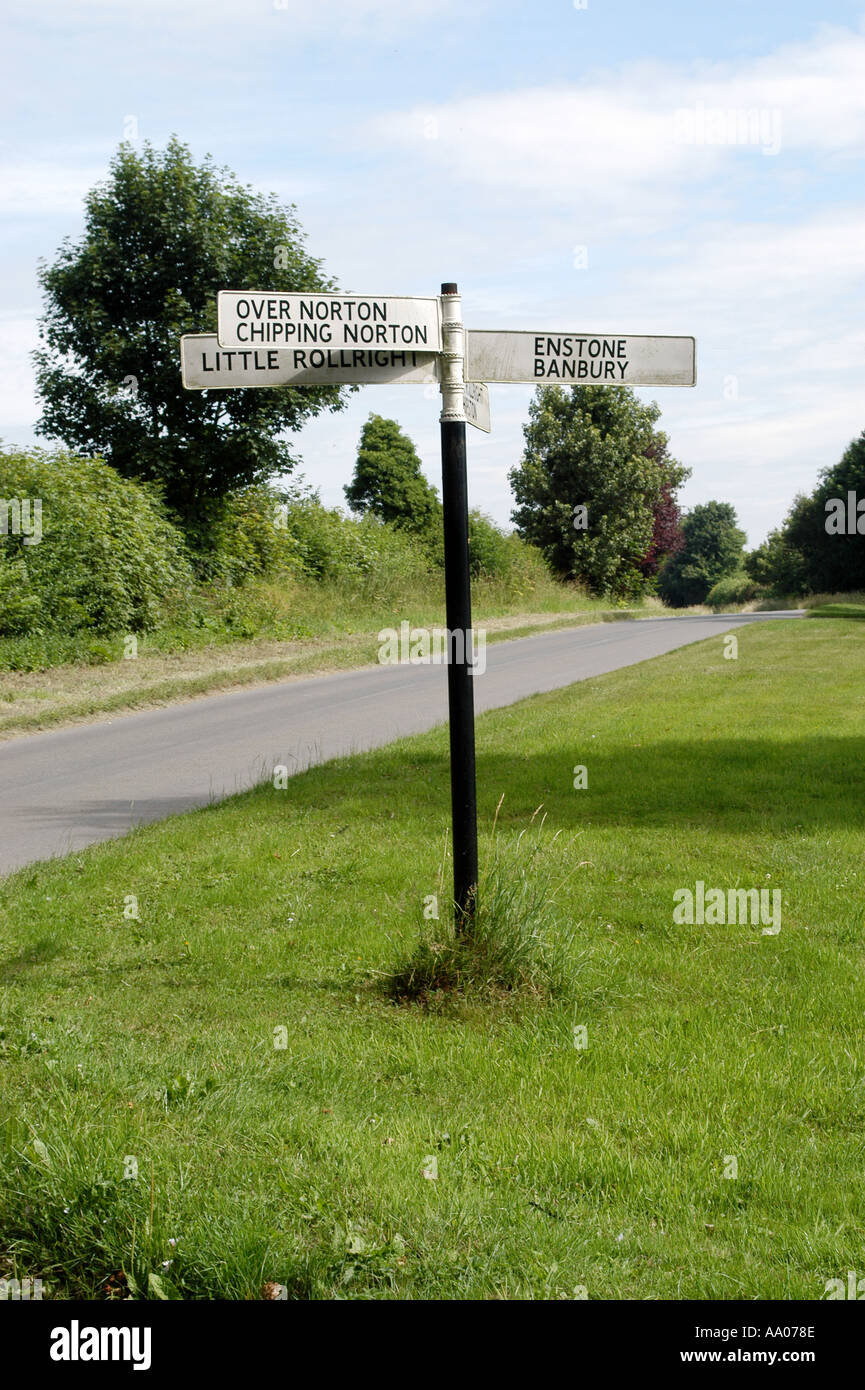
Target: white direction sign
476, 405
607, 359
207, 366
255, 318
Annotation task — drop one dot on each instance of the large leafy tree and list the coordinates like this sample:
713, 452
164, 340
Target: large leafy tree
594, 475
162, 235
388, 479
712, 549
821, 545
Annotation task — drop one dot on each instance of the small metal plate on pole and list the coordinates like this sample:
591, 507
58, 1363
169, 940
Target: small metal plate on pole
476, 405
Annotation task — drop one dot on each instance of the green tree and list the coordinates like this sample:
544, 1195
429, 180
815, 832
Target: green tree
776, 565
388, 480
593, 472
712, 549
162, 235
820, 548
827, 529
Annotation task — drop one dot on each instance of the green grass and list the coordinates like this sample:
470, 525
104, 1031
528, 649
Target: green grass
559, 1167
838, 610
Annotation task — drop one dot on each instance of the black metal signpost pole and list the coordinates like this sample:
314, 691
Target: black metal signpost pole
458, 600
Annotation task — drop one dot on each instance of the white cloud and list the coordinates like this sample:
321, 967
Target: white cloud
818, 87
559, 142
770, 261
618, 137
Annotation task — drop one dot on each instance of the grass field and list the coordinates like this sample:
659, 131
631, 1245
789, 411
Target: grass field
287, 1123
838, 610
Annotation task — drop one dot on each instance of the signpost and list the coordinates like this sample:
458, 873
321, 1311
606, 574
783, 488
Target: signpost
269, 339
565, 359
261, 318
207, 366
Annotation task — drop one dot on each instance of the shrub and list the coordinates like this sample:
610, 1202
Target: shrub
245, 536
19, 605
332, 546
489, 553
108, 558
733, 588
523, 568
495, 555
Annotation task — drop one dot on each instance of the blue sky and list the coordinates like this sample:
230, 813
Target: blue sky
623, 167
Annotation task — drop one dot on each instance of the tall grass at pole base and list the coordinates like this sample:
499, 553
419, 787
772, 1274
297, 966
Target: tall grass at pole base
517, 940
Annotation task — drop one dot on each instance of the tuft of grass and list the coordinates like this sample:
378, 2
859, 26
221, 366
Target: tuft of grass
516, 942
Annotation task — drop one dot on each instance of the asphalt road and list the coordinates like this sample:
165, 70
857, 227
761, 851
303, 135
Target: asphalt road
65, 789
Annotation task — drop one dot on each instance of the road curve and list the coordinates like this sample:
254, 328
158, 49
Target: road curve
65, 789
